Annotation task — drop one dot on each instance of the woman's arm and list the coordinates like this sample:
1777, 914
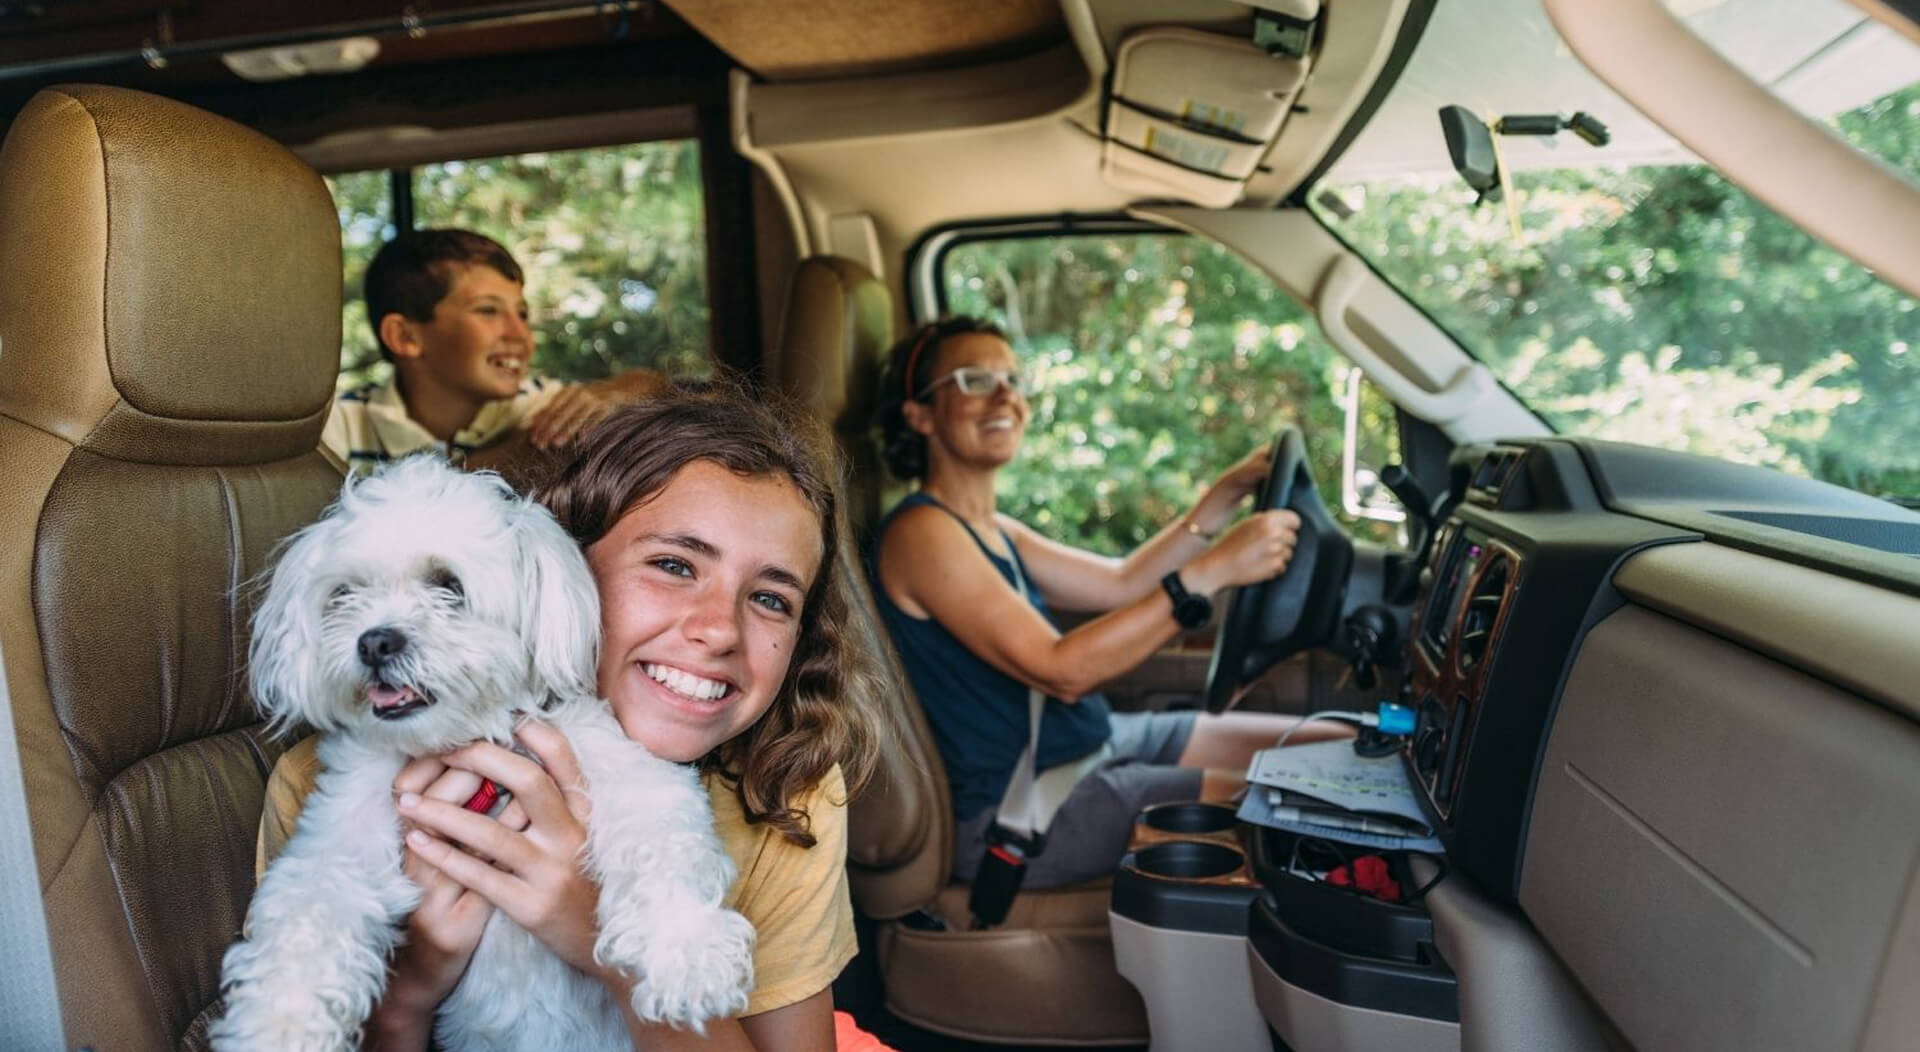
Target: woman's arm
1074, 579
930, 564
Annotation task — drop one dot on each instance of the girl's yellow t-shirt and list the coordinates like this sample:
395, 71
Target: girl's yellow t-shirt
796, 897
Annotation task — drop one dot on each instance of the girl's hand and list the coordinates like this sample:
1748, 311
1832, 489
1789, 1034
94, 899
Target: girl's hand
444, 930
534, 876
1257, 549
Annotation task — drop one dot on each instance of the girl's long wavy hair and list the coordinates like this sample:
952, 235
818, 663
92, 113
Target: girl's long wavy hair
819, 717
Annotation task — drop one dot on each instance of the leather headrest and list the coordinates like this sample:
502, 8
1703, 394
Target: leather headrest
837, 324
171, 289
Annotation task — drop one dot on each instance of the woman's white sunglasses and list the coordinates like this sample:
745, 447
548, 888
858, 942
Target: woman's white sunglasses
975, 381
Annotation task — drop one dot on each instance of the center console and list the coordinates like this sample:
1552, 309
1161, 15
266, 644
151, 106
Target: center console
1235, 942
1232, 945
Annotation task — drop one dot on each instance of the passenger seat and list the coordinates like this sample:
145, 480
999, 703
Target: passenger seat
169, 336
1046, 976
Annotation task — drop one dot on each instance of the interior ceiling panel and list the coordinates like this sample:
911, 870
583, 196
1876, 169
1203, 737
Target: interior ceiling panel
835, 38
93, 38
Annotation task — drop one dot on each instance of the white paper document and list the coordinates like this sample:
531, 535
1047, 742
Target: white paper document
1326, 790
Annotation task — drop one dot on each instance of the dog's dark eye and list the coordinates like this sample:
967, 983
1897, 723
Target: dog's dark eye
446, 582
340, 591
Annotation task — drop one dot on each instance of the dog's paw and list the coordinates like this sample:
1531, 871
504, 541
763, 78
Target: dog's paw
246, 1028
702, 975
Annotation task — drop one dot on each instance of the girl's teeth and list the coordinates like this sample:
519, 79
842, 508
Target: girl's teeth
687, 684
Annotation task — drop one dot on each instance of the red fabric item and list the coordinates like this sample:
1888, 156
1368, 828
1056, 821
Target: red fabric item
1369, 877
483, 799
848, 1037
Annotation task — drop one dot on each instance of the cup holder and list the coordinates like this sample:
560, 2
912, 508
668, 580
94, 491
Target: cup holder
1187, 860
1192, 817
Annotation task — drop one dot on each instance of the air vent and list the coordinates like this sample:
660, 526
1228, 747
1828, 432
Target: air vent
1482, 612
1495, 470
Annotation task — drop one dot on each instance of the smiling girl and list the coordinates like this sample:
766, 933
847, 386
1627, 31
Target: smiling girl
709, 524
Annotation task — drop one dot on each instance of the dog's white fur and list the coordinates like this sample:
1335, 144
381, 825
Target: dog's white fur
520, 633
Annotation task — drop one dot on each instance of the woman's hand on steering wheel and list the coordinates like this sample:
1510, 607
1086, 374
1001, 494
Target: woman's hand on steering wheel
1256, 549
1242, 479
1234, 485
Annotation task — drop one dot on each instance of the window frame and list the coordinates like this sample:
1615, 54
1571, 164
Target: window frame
734, 323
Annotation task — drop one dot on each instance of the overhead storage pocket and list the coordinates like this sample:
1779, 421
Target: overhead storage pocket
1190, 114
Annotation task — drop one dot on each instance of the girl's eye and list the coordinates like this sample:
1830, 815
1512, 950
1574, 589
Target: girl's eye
773, 601
676, 567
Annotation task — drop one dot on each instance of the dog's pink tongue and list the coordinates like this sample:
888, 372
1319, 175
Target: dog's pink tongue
386, 695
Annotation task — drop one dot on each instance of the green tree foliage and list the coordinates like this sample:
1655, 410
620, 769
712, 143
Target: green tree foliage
1162, 359
1661, 304
613, 242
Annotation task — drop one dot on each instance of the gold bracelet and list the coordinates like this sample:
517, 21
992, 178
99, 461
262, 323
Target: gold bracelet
1200, 533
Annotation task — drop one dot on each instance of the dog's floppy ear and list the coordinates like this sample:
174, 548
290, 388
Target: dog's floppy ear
561, 617
282, 662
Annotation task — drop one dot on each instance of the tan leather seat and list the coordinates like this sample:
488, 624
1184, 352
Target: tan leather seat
169, 335
1047, 975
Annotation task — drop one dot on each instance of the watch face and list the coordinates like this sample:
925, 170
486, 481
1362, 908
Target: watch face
1189, 610
1193, 611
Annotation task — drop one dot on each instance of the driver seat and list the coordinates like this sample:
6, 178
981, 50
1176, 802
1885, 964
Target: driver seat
1046, 976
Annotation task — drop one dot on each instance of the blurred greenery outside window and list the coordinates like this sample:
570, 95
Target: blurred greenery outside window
1658, 303
1161, 360
612, 242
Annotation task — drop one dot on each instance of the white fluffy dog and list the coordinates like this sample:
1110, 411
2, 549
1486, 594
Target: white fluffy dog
417, 615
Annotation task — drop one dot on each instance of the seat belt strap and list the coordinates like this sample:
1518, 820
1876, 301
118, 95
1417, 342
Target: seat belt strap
1027, 808
29, 998
1032, 799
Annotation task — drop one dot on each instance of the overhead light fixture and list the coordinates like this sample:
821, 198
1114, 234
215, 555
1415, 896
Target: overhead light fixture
344, 55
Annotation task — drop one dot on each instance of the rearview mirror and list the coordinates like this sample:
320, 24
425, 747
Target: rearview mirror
1470, 145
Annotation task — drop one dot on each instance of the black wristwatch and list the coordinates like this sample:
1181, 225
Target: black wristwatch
1190, 610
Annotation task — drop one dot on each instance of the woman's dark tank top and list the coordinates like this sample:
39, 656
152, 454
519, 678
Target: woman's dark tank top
978, 713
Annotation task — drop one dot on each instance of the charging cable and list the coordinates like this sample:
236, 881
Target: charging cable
1388, 719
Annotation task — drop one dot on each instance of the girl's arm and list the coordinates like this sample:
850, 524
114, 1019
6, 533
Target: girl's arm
1074, 579
535, 878
930, 566
803, 1027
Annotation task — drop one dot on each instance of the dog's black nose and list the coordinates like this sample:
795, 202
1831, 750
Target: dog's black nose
379, 644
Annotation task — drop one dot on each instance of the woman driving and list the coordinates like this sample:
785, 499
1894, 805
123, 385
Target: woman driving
966, 594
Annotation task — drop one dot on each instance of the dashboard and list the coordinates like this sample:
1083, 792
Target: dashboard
1522, 568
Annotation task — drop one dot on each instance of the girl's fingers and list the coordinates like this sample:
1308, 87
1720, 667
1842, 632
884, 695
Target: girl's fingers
418, 774
556, 755
513, 816
497, 886
455, 786
482, 835
530, 784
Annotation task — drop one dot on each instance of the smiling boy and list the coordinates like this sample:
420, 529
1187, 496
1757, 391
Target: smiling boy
449, 311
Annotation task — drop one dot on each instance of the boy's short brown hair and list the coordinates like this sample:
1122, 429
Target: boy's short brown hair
410, 275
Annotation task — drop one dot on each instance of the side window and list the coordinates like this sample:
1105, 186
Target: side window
612, 240
1161, 360
365, 203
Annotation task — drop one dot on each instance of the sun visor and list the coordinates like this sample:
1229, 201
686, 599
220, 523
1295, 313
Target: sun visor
1190, 114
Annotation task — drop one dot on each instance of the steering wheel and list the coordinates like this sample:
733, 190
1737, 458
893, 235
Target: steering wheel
1298, 610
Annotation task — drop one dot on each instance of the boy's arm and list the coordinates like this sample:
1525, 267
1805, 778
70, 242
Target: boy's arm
513, 456
578, 407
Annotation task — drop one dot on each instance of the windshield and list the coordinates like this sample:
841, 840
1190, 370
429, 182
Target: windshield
1627, 291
